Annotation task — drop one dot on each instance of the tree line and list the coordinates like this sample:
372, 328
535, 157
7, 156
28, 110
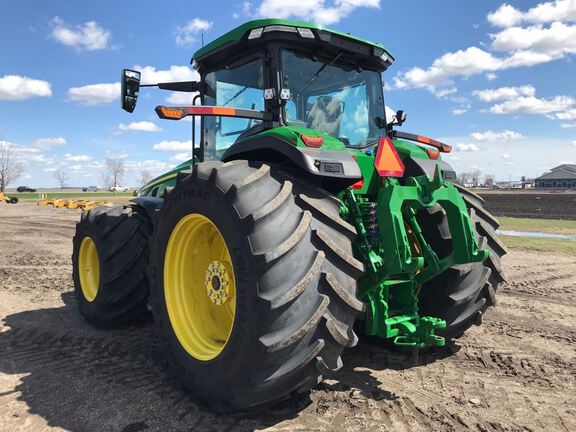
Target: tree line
112, 175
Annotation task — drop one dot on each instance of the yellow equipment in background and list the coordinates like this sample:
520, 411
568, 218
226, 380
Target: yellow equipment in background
9, 200
74, 204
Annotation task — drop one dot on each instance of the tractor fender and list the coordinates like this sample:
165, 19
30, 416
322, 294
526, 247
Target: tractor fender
416, 167
334, 170
151, 206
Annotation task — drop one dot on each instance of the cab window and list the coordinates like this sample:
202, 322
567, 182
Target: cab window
238, 87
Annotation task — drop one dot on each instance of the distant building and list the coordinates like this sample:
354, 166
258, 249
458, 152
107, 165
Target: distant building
561, 177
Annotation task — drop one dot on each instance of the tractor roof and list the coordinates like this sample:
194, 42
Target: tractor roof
241, 32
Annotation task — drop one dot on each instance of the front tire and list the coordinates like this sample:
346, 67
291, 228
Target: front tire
110, 259
289, 256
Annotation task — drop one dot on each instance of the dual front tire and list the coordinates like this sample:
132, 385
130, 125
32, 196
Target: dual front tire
109, 262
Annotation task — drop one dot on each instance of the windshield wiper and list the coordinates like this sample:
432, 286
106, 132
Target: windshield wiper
236, 95
318, 72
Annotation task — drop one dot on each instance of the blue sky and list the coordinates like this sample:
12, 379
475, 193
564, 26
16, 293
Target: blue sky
496, 80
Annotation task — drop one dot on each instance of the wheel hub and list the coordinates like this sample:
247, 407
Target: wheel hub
217, 282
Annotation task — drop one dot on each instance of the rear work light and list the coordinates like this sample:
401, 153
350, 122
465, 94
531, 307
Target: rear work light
305, 33
255, 33
387, 161
281, 28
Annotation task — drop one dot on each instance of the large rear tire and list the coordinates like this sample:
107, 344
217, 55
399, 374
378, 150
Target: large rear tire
110, 260
284, 256
462, 294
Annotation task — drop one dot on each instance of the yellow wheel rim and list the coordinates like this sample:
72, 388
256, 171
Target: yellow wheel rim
89, 269
199, 287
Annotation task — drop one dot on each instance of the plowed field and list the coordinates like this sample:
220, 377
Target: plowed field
516, 372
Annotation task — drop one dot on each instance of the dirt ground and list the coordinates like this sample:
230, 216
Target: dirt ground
517, 372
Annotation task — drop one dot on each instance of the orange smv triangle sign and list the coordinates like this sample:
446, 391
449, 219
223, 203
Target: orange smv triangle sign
387, 162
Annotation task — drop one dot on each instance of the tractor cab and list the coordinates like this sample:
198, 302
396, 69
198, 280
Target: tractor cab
305, 76
296, 76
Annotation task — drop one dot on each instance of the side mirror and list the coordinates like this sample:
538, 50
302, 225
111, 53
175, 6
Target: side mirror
400, 117
129, 87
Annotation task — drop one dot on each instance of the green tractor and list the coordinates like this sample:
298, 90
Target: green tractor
302, 219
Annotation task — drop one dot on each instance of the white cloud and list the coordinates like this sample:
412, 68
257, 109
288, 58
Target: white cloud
186, 35
465, 63
459, 111
122, 154
491, 76
181, 98
505, 16
504, 93
568, 125
88, 36
24, 149
505, 156
533, 105
181, 157
168, 146
95, 94
15, 87
321, 11
470, 61
523, 47
176, 73
526, 58
47, 143
442, 93
35, 158
559, 10
35, 152
141, 126
567, 115
506, 135
467, 147
555, 41
76, 158
148, 164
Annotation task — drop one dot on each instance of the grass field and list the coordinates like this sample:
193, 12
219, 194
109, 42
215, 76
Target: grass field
540, 244
98, 196
553, 226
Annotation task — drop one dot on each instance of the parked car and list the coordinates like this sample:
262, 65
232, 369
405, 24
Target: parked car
119, 189
25, 189
90, 189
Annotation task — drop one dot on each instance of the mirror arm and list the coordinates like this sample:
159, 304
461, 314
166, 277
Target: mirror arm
182, 86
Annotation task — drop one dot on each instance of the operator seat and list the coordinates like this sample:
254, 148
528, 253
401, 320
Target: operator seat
325, 115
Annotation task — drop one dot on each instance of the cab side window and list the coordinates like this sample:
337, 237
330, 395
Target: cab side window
239, 87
